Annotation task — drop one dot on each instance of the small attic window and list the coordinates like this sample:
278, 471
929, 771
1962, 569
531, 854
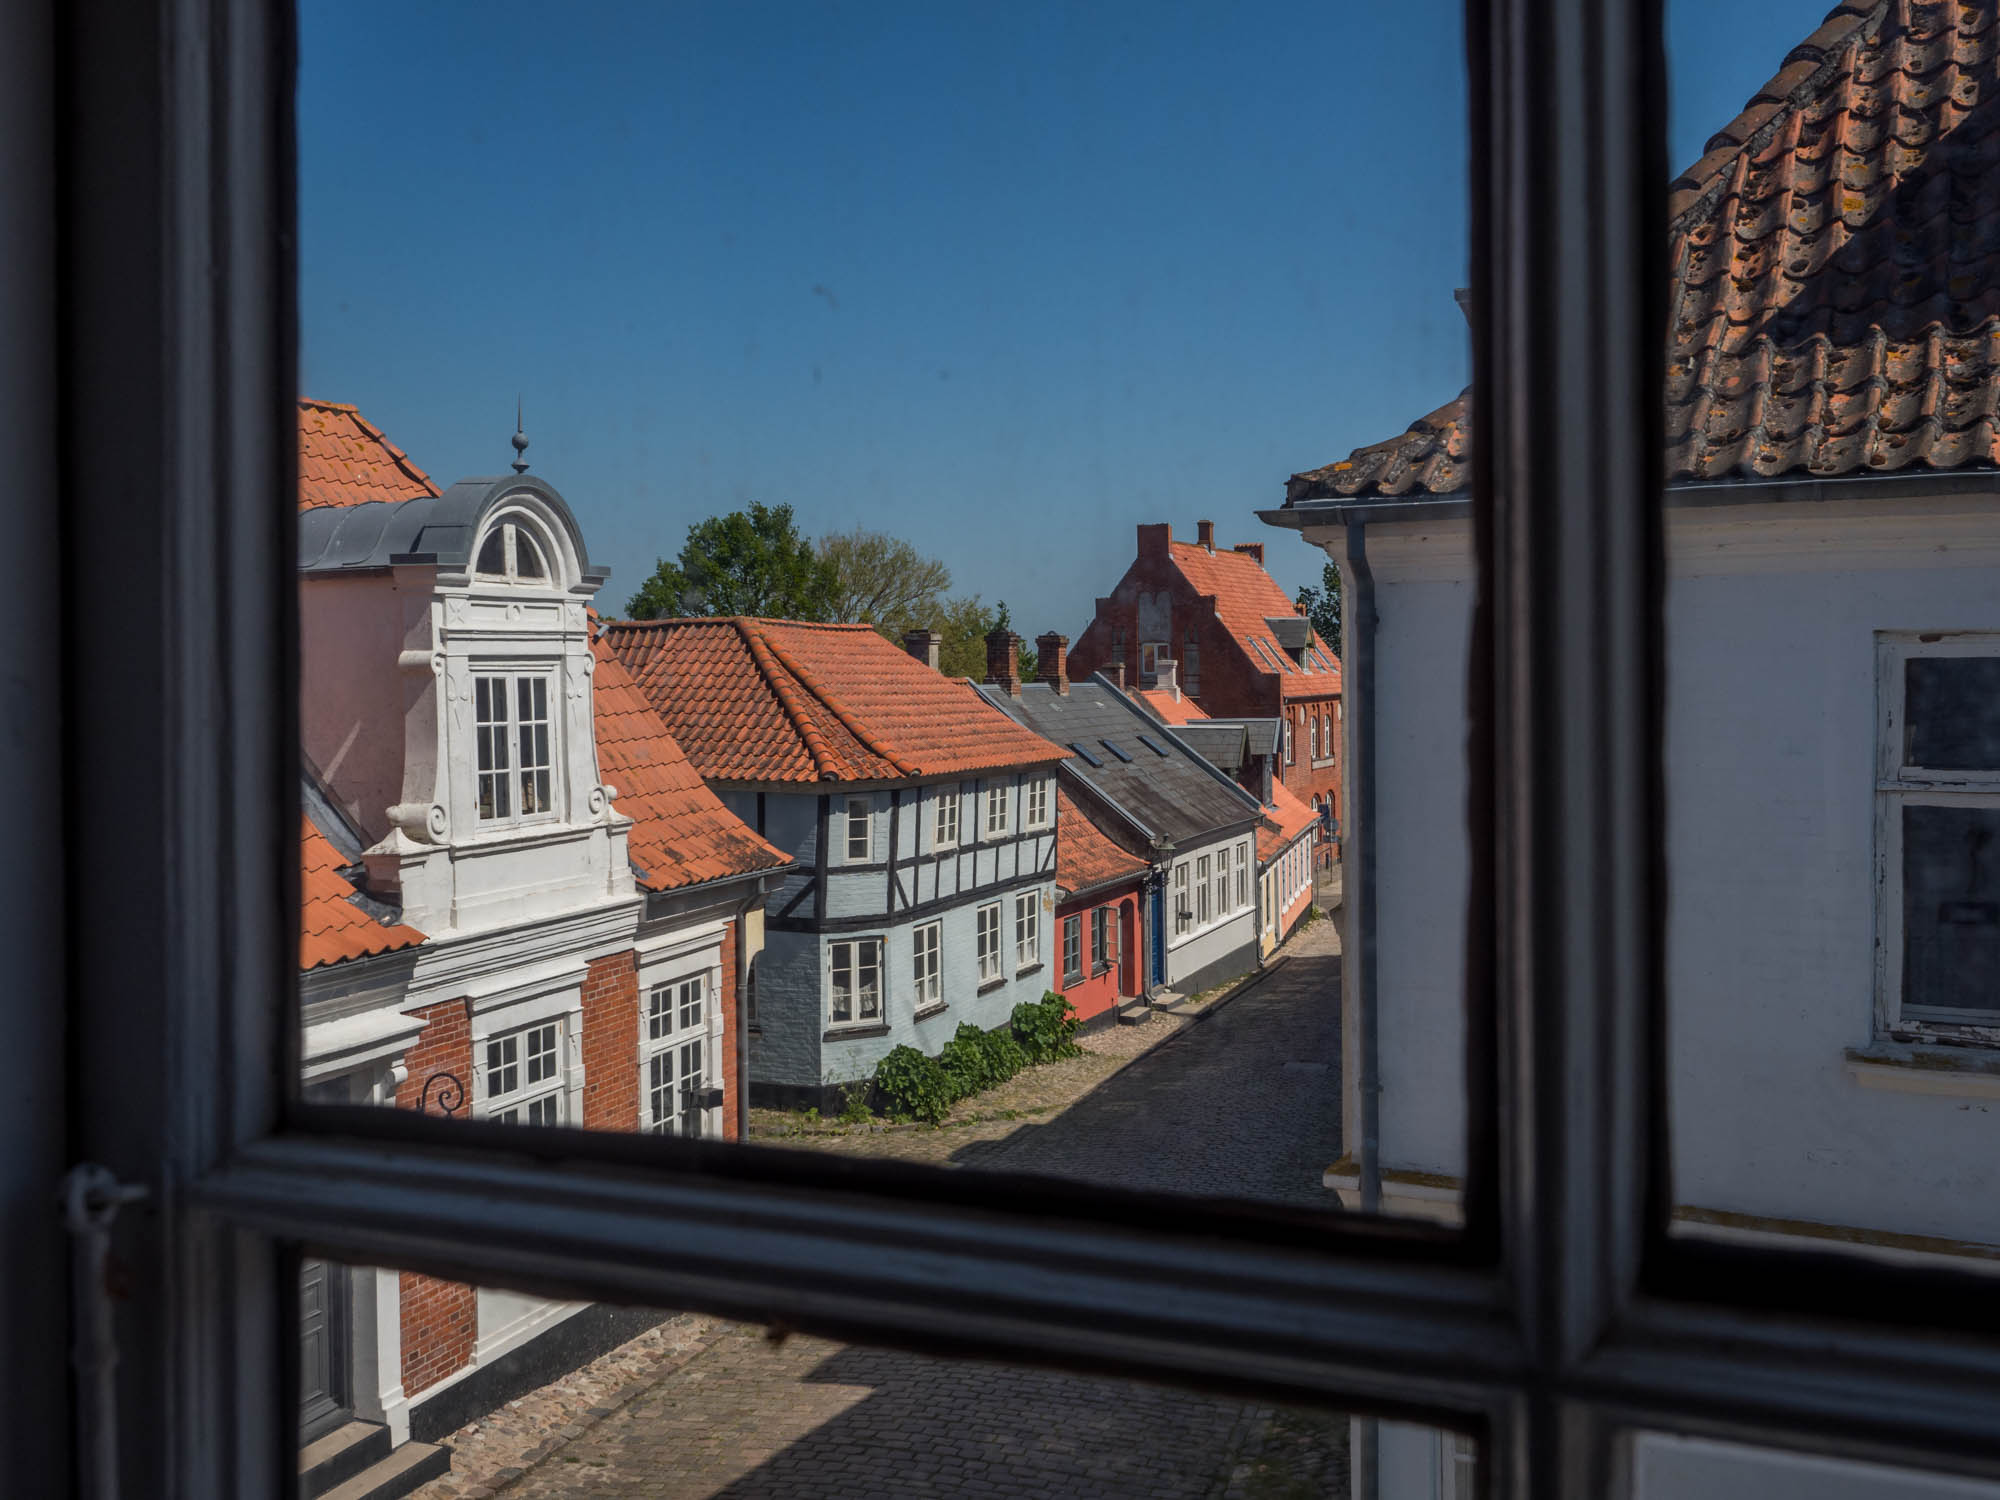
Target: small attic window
511, 553
1115, 751
1151, 746
1078, 748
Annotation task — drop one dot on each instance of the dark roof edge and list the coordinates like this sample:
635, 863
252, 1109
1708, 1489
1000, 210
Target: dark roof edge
1132, 877
1701, 495
658, 903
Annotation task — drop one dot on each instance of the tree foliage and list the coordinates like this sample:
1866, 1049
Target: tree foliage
749, 562
883, 581
1322, 606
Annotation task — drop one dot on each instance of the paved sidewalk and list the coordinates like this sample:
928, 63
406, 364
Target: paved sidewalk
1236, 1098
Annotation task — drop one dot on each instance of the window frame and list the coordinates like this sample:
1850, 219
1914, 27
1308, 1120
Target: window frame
998, 820
988, 946
948, 810
1035, 804
927, 943
1072, 948
866, 824
1562, 1317
855, 967
513, 682
527, 1092
1027, 931
671, 1042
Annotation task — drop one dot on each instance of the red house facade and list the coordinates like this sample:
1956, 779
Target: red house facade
1215, 624
1098, 889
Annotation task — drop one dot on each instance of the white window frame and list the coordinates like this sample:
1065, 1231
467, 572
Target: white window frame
1027, 930
855, 957
1900, 786
505, 735
986, 923
926, 965
864, 824
1036, 796
1242, 875
1204, 891
1072, 941
665, 1035
1555, 1351
998, 821
944, 822
1183, 901
524, 1074
512, 528
1224, 886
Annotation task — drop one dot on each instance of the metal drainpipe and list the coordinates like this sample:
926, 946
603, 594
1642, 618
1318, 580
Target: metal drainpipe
1359, 899
743, 1013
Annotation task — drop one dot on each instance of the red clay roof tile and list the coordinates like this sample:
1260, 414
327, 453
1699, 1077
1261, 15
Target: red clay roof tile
1246, 597
331, 926
681, 833
1835, 254
1183, 710
345, 460
1086, 856
786, 701
1284, 820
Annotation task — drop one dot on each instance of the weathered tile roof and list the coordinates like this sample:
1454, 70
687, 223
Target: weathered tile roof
1246, 598
1086, 856
345, 460
1835, 254
1170, 710
774, 701
1284, 820
332, 925
681, 833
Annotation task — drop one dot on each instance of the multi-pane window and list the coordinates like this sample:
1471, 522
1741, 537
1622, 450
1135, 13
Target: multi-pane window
673, 1056
1191, 661
926, 971
511, 553
996, 810
945, 830
1103, 938
524, 1082
1939, 821
511, 736
1072, 941
1027, 930
1242, 875
1221, 881
856, 971
1037, 815
1183, 907
1204, 910
859, 844
989, 942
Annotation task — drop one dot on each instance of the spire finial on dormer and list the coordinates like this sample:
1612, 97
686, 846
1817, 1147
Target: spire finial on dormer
520, 441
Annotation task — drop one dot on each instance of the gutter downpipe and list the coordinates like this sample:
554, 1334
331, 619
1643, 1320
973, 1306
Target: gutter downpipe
1359, 900
743, 960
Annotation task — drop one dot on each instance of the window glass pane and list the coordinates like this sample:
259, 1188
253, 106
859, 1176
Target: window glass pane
519, 776
478, 1389
1833, 911
1668, 1467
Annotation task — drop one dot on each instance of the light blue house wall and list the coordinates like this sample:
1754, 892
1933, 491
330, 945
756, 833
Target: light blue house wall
903, 881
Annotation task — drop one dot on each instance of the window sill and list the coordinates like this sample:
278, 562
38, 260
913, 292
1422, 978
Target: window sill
1030, 969
992, 984
1902, 1068
928, 1011
852, 1033
1076, 978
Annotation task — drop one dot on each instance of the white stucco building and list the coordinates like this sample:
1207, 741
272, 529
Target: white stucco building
1832, 713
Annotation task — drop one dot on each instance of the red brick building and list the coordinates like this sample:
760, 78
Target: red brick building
1216, 624
1099, 884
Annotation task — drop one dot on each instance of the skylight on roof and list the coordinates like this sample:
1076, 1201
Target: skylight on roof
1116, 751
1085, 753
1152, 747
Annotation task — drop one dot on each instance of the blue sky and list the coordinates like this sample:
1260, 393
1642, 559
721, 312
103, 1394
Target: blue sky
1006, 280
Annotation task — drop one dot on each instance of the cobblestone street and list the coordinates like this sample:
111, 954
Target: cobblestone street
1239, 1098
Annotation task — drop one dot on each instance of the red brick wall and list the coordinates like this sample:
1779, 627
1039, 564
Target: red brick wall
1096, 993
727, 1001
440, 1318
611, 1043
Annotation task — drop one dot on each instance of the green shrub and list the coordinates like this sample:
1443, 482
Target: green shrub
914, 1086
1005, 1056
1046, 1028
976, 1060
854, 1108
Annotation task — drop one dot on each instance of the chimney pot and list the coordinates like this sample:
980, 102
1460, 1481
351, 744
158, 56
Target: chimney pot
1052, 660
1204, 533
1003, 661
1116, 672
924, 645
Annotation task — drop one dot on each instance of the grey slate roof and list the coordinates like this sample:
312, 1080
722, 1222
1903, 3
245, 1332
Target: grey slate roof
1224, 746
433, 529
1170, 793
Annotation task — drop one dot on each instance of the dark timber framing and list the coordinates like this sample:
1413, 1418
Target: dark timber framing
1562, 1317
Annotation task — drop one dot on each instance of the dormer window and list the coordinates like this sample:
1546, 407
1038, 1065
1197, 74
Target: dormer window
511, 554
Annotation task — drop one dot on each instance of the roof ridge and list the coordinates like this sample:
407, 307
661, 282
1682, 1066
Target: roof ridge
770, 668
819, 691
1803, 75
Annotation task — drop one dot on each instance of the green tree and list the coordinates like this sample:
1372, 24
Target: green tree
751, 562
963, 622
883, 581
1322, 606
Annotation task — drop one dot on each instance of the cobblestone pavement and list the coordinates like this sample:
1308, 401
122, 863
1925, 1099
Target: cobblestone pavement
1242, 1102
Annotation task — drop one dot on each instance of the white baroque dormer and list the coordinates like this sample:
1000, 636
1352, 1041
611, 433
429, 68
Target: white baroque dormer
447, 702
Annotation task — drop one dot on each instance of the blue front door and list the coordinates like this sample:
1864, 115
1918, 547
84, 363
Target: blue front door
1159, 934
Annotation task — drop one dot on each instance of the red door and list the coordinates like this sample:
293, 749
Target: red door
1128, 948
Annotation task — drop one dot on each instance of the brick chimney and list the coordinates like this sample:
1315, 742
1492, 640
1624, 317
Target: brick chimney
1166, 677
924, 645
1204, 533
1052, 661
1252, 550
1116, 672
1156, 542
1003, 661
